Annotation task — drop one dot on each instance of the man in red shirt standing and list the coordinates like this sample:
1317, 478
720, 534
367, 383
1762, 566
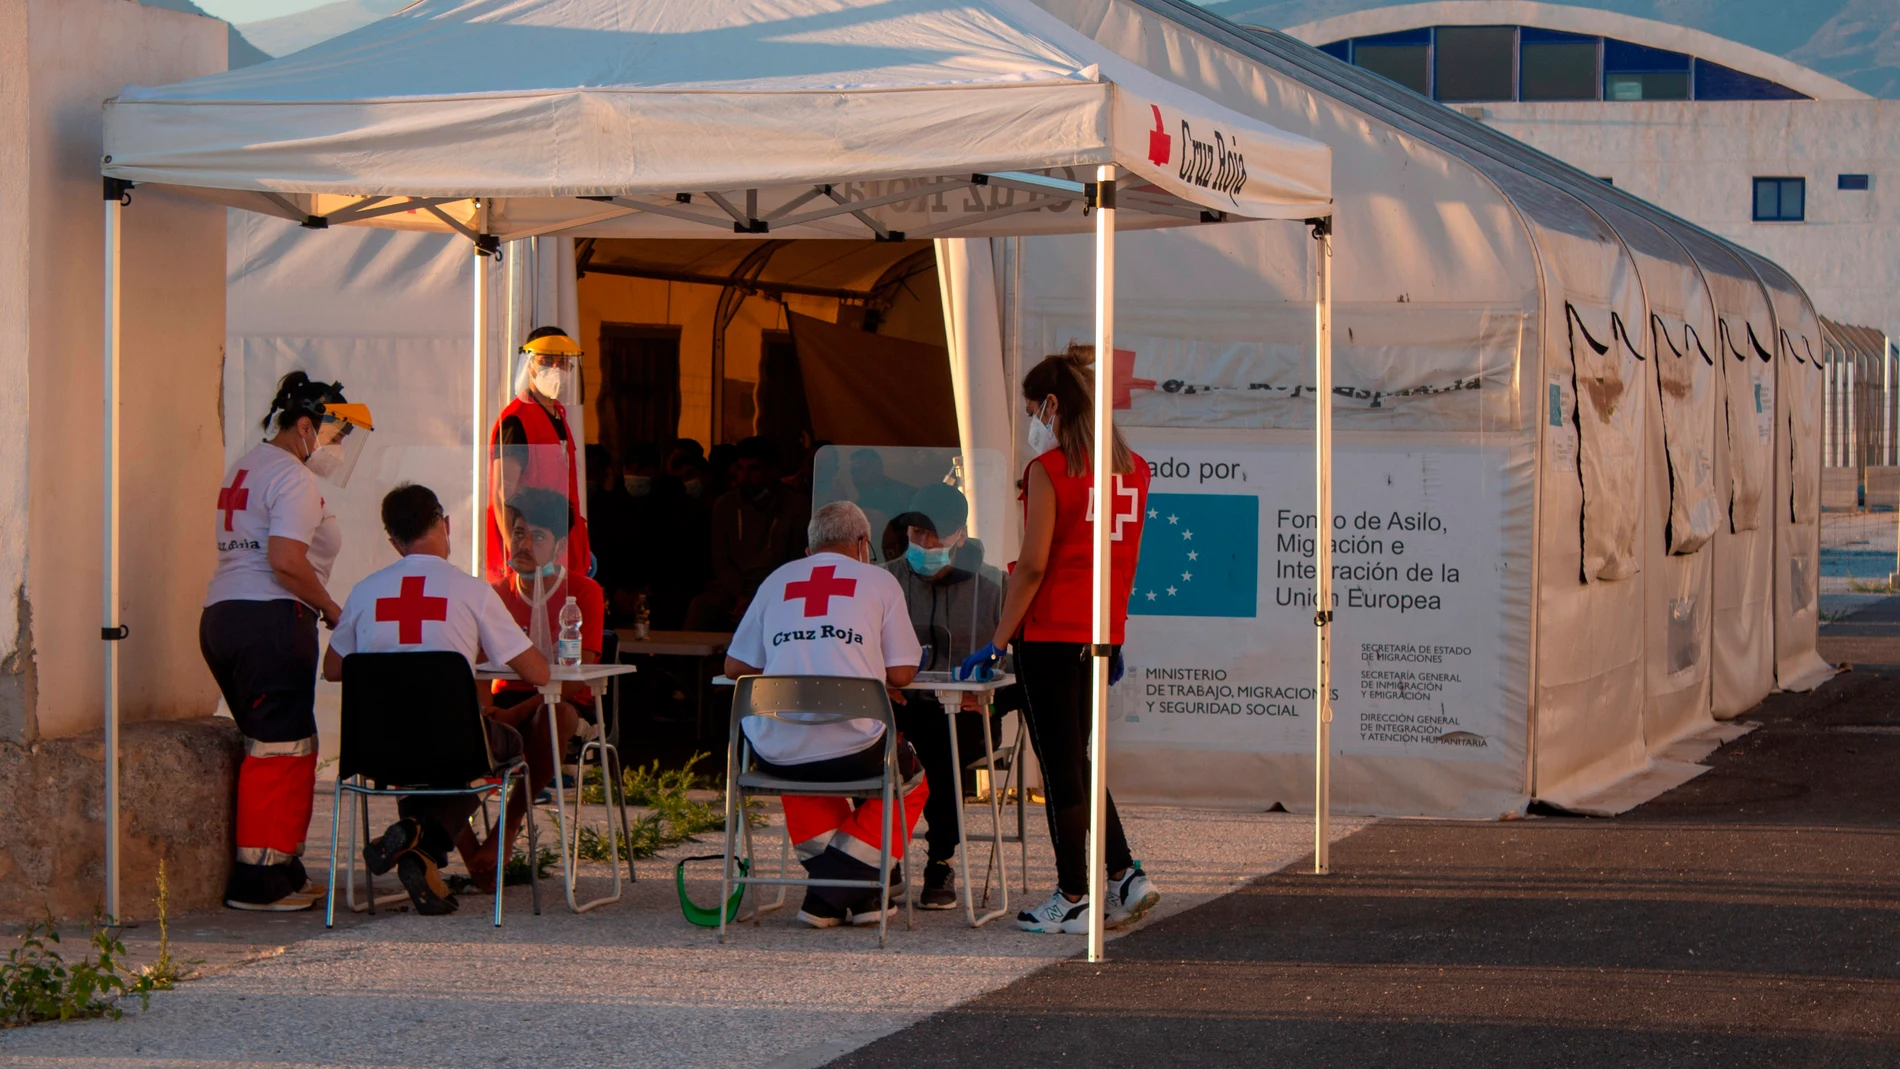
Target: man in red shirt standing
534, 588
532, 445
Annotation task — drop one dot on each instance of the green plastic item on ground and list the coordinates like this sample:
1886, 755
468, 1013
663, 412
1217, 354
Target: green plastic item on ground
701, 915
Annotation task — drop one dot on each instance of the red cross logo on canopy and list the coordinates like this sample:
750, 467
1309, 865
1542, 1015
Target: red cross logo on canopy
818, 590
234, 498
409, 609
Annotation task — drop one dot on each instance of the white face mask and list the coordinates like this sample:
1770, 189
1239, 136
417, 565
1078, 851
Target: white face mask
548, 382
639, 485
1042, 436
324, 460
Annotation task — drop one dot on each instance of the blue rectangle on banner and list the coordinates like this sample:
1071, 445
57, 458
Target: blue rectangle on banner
1200, 556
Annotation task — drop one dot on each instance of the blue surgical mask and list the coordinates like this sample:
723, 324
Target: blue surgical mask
927, 561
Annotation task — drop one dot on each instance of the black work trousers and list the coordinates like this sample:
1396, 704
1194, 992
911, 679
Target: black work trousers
1056, 682
923, 722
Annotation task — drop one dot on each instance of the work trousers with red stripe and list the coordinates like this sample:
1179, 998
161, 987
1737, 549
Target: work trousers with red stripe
264, 657
840, 838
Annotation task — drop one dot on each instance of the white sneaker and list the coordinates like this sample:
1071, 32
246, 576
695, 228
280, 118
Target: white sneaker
1129, 897
1056, 916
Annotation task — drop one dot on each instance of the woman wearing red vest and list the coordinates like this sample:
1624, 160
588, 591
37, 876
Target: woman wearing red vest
532, 444
1047, 613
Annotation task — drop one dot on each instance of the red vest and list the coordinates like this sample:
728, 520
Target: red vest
544, 470
1065, 602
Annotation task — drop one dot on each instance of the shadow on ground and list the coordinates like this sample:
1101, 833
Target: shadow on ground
1750, 917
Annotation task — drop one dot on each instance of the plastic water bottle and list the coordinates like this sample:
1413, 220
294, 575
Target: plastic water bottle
642, 619
567, 650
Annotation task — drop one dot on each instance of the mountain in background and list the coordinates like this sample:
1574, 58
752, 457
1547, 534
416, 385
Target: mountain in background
241, 52
1856, 41
293, 33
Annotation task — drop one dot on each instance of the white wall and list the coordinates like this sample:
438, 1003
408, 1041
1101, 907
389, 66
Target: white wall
1699, 160
59, 60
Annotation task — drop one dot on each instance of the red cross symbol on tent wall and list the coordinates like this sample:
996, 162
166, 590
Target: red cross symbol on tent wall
820, 588
234, 498
409, 609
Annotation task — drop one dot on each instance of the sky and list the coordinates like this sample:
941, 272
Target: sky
256, 10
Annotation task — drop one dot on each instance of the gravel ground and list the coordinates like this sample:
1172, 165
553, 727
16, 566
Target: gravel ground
628, 984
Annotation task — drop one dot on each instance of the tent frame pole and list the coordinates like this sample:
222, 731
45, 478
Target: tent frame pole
478, 422
1323, 546
117, 195
1105, 502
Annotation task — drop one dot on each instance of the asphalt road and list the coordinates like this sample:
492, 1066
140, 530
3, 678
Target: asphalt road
1748, 918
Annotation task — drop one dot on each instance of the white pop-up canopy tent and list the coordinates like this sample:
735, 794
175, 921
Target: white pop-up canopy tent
598, 118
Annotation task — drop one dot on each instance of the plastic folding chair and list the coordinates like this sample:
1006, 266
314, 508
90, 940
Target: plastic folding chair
807, 702
412, 726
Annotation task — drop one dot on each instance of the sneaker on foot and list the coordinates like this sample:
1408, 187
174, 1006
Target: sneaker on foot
1056, 916
940, 887
423, 881
294, 902
1129, 897
868, 911
819, 913
381, 854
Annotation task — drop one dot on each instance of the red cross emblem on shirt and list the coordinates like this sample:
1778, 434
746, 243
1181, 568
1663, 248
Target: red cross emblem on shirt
234, 498
409, 609
820, 588
1122, 519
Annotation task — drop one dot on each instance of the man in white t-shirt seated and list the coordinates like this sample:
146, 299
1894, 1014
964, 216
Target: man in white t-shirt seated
422, 603
832, 614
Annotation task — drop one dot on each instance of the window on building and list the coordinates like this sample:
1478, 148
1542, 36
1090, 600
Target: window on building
1716, 82
1857, 182
1781, 200
1475, 63
1341, 50
1606, 179
1557, 66
1404, 57
1637, 72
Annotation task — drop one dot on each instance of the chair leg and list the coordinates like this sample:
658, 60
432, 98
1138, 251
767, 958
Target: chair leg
336, 817
501, 849
620, 793
369, 878
903, 829
534, 869
731, 832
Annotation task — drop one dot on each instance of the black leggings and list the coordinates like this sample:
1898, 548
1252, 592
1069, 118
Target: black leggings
1056, 680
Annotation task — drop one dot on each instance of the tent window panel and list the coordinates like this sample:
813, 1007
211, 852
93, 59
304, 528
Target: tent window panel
639, 398
1558, 66
1404, 57
1476, 63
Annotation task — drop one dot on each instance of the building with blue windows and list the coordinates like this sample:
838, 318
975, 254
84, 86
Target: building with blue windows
1761, 150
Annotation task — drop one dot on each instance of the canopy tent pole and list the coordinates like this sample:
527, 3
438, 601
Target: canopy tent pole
1323, 545
477, 455
1104, 528
111, 630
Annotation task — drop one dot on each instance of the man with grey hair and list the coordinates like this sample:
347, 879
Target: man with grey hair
833, 614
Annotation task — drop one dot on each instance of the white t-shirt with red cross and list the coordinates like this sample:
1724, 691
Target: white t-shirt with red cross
824, 615
422, 603
268, 494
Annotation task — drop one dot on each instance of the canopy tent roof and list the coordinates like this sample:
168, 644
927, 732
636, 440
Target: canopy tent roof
800, 118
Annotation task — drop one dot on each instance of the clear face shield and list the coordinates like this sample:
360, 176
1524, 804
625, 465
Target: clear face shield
342, 435
937, 522
549, 369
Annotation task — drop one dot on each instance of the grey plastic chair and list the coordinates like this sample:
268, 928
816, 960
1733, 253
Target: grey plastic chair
808, 701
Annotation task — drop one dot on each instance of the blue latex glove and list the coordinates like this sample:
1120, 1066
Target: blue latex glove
981, 665
1115, 667
593, 564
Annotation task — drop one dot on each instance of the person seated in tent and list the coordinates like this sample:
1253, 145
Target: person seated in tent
473, 623
535, 588
953, 609
756, 526
531, 444
788, 629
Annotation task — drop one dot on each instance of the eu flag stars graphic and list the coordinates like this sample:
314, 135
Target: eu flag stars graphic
1200, 556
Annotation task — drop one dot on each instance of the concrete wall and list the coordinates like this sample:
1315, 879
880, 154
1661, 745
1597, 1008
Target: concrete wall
61, 60
1699, 160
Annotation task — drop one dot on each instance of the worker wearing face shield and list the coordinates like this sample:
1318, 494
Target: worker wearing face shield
277, 539
532, 446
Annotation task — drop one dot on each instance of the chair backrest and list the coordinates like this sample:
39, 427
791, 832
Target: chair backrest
609, 647
412, 719
813, 700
